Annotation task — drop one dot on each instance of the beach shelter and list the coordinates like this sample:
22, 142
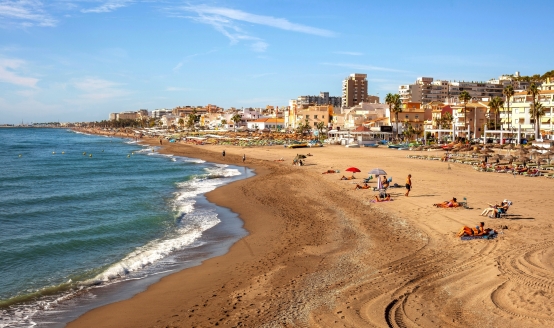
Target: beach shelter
377, 171
353, 169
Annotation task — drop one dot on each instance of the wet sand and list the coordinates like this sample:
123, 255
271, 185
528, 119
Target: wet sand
320, 254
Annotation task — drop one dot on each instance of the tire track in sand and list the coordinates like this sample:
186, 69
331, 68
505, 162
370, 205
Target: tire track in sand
519, 269
395, 314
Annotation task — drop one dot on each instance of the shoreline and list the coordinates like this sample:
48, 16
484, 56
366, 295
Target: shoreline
320, 254
213, 242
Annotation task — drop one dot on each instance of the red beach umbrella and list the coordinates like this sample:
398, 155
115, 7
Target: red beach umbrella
353, 169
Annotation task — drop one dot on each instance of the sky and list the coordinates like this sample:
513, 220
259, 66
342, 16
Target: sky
79, 60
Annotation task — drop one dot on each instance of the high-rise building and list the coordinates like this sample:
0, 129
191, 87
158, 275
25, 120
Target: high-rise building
322, 99
354, 90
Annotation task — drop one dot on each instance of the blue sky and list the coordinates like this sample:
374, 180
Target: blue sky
79, 60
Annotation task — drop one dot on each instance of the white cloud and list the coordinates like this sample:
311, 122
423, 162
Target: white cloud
349, 53
25, 13
365, 67
108, 6
226, 21
178, 66
8, 74
226, 14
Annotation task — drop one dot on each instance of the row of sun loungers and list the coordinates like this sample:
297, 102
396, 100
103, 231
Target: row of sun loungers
533, 169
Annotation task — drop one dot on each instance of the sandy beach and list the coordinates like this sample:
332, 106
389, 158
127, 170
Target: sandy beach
320, 254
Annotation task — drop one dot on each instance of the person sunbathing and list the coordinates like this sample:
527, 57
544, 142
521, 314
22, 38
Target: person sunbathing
385, 198
501, 209
521, 170
345, 178
448, 203
477, 231
329, 171
491, 209
365, 186
385, 182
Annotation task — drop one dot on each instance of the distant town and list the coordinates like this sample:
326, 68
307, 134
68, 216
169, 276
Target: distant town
506, 104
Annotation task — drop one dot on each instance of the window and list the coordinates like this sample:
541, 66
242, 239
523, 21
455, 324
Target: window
315, 117
308, 116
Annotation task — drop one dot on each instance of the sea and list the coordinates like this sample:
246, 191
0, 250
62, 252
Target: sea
87, 220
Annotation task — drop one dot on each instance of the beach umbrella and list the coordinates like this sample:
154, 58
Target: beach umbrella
520, 152
509, 157
377, 171
353, 169
496, 157
547, 155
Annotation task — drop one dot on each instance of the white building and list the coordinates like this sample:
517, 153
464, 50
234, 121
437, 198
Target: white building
274, 124
426, 90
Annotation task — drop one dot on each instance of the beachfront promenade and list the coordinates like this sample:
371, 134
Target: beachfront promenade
320, 254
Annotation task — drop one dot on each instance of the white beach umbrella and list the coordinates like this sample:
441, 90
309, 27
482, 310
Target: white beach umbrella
378, 171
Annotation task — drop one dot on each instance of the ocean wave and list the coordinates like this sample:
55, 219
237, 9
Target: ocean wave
158, 249
193, 222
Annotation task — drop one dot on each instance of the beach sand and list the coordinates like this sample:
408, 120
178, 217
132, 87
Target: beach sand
320, 254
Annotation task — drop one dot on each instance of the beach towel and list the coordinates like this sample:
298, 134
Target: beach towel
478, 237
383, 201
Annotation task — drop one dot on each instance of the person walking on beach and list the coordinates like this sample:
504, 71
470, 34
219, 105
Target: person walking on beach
243, 158
223, 153
160, 141
408, 184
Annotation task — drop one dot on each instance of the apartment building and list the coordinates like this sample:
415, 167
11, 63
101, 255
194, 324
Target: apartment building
363, 114
413, 113
519, 115
426, 89
474, 117
322, 99
158, 113
313, 114
354, 89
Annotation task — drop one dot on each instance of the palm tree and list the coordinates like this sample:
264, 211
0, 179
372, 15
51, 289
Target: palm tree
537, 112
397, 109
464, 97
191, 120
534, 91
509, 92
236, 118
181, 122
223, 122
495, 104
446, 121
320, 126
